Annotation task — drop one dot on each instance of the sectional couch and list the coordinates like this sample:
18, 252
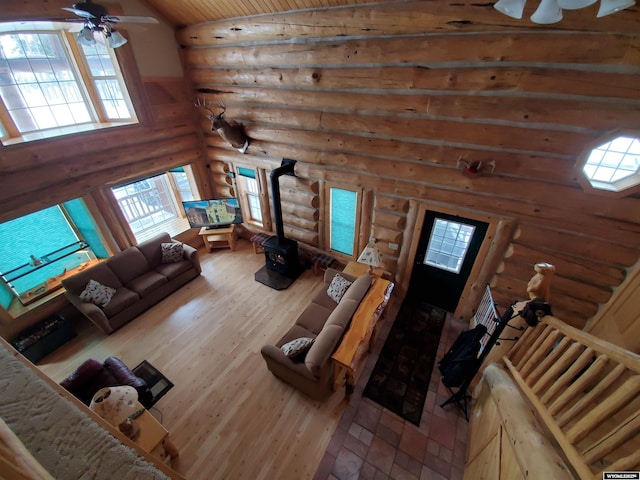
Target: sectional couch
135, 279
325, 321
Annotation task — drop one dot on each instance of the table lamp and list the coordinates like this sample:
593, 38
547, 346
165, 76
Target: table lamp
115, 405
371, 255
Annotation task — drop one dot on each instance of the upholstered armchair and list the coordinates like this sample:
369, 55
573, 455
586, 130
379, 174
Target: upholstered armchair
92, 375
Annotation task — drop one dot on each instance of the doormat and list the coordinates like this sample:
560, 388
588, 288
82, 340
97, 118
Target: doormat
157, 382
400, 379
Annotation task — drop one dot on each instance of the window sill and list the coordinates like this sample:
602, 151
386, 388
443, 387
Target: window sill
61, 131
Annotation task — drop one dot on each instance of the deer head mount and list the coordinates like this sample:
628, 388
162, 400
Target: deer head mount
232, 132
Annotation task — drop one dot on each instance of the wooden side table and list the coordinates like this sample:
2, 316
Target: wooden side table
154, 438
348, 358
219, 237
356, 269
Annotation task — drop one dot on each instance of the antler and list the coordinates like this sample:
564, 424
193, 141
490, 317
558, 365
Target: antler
202, 103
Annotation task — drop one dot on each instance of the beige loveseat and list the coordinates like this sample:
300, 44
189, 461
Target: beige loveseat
139, 277
325, 321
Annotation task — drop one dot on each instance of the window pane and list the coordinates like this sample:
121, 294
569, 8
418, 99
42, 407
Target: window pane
150, 207
448, 245
342, 220
37, 69
31, 268
37, 63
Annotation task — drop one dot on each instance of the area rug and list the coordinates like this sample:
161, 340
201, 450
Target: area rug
400, 379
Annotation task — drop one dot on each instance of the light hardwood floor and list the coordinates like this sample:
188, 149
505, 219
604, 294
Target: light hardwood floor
229, 416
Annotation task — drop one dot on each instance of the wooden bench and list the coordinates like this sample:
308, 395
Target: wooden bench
257, 240
321, 262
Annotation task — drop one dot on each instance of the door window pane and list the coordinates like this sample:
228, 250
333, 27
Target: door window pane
448, 245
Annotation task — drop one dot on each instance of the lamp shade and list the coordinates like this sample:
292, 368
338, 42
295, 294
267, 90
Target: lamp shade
115, 39
607, 7
115, 404
547, 12
511, 8
575, 4
370, 255
85, 37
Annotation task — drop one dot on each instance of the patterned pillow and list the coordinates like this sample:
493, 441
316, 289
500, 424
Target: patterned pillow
338, 287
97, 293
297, 346
172, 252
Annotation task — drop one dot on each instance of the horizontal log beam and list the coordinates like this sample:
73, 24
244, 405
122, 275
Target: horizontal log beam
596, 273
390, 19
394, 204
535, 167
589, 248
389, 220
530, 47
302, 184
564, 113
305, 236
560, 284
501, 79
300, 223
414, 127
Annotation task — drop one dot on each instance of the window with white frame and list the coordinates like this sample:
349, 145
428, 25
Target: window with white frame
343, 220
250, 194
448, 245
50, 85
614, 165
154, 205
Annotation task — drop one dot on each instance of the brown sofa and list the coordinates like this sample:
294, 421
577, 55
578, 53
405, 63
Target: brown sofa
325, 321
139, 278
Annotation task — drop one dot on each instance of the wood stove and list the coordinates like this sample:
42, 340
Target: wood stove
282, 264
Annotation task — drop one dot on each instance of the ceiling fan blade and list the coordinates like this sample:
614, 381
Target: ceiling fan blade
80, 13
133, 19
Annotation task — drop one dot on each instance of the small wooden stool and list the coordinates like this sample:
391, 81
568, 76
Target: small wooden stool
321, 262
257, 240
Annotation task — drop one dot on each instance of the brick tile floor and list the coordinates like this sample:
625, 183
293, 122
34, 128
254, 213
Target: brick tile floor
373, 443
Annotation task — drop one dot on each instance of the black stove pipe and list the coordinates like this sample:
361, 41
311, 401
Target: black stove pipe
286, 168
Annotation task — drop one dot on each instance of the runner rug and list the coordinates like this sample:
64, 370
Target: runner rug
400, 379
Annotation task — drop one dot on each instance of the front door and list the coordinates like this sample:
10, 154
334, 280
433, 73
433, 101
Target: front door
446, 252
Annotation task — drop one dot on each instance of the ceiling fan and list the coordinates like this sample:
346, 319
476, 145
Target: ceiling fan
96, 18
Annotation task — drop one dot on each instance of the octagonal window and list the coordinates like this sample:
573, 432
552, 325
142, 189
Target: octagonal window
614, 165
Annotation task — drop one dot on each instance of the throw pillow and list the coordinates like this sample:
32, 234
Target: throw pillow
97, 293
172, 252
297, 346
338, 287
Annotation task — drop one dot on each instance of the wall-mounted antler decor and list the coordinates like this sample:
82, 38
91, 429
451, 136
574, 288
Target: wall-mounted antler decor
232, 132
475, 167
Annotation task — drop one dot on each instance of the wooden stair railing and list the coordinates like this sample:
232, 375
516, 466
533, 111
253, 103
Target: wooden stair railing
586, 391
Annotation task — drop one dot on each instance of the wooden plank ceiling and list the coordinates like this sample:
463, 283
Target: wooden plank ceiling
190, 12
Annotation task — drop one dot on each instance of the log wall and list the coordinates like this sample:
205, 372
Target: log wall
389, 97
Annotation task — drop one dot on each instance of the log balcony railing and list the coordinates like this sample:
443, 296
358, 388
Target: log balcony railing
586, 391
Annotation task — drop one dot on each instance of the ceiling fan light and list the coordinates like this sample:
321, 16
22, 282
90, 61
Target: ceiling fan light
575, 4
607, 7
511, 8
85, 37
115, 39
547, 12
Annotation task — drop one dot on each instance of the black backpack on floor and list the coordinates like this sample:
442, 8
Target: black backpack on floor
461, 360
